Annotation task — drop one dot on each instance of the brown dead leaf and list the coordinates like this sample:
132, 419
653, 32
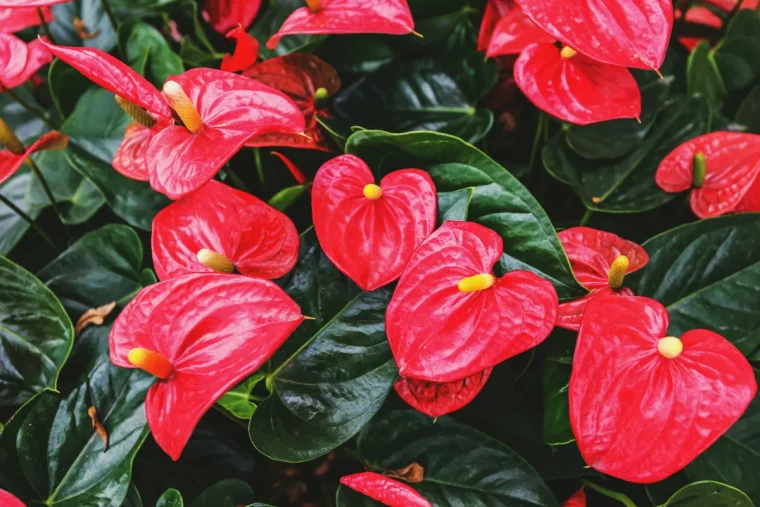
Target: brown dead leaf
413, 473
82, 31
98, 427
94, 316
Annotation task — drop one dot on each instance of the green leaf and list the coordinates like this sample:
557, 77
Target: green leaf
748, 113
438, 94
703, 76
555, 386
286, 197
709, 494
66, 85
738, 55
36, 336
95, 130
462, 466
626, 184
133, 498
238, 401
227, 493
498, 200
102, 266
13, 226
26, 125
93, 16
337, 378
170, 498
362, 53
707, 274
54, 446
148, 53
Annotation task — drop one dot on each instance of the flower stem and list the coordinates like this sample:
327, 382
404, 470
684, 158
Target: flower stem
620, 497
45, 26
30, 109
29, 220
586, 216
259, 168
236, 181
49, 193
537, 139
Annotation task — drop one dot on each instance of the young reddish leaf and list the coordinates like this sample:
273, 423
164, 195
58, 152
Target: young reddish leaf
19, 18
255, 238
514, 32
473, 321
494, 11
200, 334
385, 490
246, 51
628, 33
129, 159
224, 15
576, 88
10, 162
370, 231
8, 500
300, 76
643, 406
577, 500
435, 398
232, 109
347, 16
113, 75
297, 174
727, 163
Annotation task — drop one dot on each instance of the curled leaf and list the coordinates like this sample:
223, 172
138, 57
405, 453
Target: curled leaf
94, 316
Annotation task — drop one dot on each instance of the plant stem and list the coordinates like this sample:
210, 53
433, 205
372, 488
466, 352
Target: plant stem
30, 109
29, 220
620, 497
586, 216
235, 179
49, 193
537, 139
259, 168
111, 17
45, 26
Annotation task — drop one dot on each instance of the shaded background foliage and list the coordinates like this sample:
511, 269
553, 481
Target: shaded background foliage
327, 407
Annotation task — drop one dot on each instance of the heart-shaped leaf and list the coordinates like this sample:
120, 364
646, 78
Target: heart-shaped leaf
36, 336
708, 494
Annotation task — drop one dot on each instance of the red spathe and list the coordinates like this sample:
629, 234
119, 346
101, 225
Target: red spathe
385, 490
437, 399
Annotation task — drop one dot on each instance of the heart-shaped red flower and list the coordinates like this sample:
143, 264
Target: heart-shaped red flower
322, 17
575, 88
15, 19
578, 499
218, 228
20, 61
200, 335
220, 111
494, 11
385, 490
224, 15
13, 158
450, 318
600, 260
368, 231
628, 33
514, 32
8, 500
308, 81
437, 399
643, 405
722, 170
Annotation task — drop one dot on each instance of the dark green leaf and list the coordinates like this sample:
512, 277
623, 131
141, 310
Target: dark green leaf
707, 274
101, 267
26, 126
432, 94
147, 51
170, 498
556, 382
341, 372
93, 16
703, 76
626, 185
748, 113
227, 493
462, 466
498, 200
13, 226
357, 53
35, 336
709, 494
133, 498
66, 85
738, 55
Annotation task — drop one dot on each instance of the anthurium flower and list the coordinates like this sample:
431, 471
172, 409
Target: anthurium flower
200, 335
600, 261
246, 51
219, 112
321, 17
575, 88
494, 11
628, 33
224, 15
514, 32
577, 500
721, 170
385, 490
8, 500
218, 228
13, 157
435, 398
20, 61
309, 81
15, 19
472, 320
369, 231
643, 404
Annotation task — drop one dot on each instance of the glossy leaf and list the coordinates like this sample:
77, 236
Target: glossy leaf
260, 241
555, 386
334, 373
465, 332
703, 76
628, 33
462, 465
626, 184
347, 16
385, 490
709, 494
35, 336
700, 393
736, 57
13, 226
170, 498
437, 399
239, 401
432, 94
370, 239
148, 53
484, 192
698, 267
